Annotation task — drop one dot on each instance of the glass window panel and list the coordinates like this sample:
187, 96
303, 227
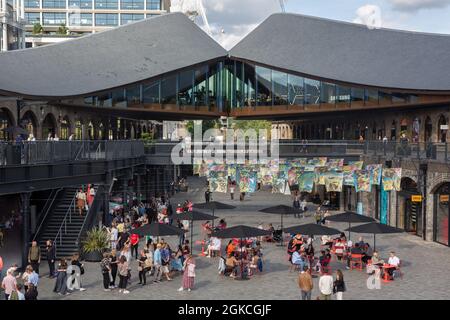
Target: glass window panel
132, 4
80, 19
118, 98
312, 91
343, 94
133, 96
264, 86
249, 85
384, 97
357, 94
106, 4
150, 93
82, 4
54, 18
52, 4
328, 93
104, 100
32, 17
371, 96
169, 90
239, 83
31, 4
398, 97
200, 95
280, 88
106, 19
185, 91
212, 85
296, 90
89, 100
153, 4
130, 17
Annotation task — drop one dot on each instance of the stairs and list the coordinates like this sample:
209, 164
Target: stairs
68, 245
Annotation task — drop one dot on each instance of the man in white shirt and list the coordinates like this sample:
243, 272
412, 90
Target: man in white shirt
326, 286
393, 261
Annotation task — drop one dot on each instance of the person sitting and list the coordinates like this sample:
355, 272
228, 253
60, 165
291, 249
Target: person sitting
299, 260
222, 224
367, 253
231, 265
231, 247
376, 263
324, 260
361, 242
339, 249
393, 261
255, 263
355, 250
270, 238
214, 246
327, 241
207, 230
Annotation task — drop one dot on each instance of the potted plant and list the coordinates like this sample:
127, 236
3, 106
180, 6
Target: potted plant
96, 242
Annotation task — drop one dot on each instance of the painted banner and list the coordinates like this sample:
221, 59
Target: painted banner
320, 175
266, 175
376, 172
232, 172
282, 172
299, 162
218, 181
348, 175
279, 185
334, 181
196, 168
363, 180
306, 181
293, 175
358, 165
391, 178
335, 164
318, 162
247, 181
203, 170
384, 205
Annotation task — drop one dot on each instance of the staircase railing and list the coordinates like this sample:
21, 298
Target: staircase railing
63, 227
48, 205
88, 220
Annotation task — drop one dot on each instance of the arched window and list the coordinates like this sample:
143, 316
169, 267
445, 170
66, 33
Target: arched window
5, 122
428, 132
29, 122
442, 129
78, 130
49, 126
64, 131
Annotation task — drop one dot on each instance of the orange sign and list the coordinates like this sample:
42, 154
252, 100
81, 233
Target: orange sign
444, 198
416, 198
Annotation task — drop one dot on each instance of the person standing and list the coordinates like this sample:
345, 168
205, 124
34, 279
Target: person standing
61, 279
142, 268
9, 283
123, 275
81, 201
188, 274
232, 189
34, 256
296, 203
31, 293
157, 263
305, 282
106, 269
339, 285
76, 262
51, 257
326, 286
113, 262
17, 294
134, 241
207, 195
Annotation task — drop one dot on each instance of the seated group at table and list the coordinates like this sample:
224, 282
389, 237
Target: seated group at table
244, 258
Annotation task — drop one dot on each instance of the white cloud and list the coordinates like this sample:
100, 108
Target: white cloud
416, 5
369, 15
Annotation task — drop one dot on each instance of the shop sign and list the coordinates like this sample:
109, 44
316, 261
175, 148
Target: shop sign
416, 198
444, 198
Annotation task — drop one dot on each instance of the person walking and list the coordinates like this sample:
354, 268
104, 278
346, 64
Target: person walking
51, 257
296, 203
188, 274
232, 189
305, 282
81, 201
9, 283
106, 269
326, 286
76, 262
142, 268
34, 256
123, 275
339, 285
207, 195
134, 242
157, 263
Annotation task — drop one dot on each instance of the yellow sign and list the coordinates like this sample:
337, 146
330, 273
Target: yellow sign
444, 198
416, 198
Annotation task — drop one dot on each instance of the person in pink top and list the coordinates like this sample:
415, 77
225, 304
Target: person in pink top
9, 283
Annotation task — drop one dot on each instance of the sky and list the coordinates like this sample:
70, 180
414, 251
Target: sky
231, 20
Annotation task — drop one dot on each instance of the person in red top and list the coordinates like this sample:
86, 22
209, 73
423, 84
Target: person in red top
134, 241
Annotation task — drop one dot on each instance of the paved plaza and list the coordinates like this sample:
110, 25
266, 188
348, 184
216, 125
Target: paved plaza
425, 264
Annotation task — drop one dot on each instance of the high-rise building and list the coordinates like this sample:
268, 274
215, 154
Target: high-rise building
11, 25
50, 21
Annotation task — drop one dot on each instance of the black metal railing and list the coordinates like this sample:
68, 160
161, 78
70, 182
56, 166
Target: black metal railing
43, 152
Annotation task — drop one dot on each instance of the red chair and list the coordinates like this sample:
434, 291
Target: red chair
326, 266
356, 262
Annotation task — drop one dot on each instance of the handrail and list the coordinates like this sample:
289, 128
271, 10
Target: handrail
64, 223
47, 211
93, 207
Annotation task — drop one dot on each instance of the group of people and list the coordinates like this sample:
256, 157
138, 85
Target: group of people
242, 256
85, 199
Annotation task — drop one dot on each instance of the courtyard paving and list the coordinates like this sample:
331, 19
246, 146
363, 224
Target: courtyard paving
425, 265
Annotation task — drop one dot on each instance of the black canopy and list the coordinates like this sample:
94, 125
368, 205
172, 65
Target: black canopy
213, 205
15, 131
350, 217
375, 228
281, 210
240, 232
157, 230
312, 229
194, 216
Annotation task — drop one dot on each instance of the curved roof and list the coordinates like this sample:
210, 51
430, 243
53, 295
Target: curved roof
109, 59
349, 52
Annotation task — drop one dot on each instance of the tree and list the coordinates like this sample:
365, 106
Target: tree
62, 29
206, 124
147, 138
37, 28
252, 124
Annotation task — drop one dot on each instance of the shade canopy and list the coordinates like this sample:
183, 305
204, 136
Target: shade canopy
157, 230
213, 205
195, 216
351, 217
375, 228
15, 130
240, 232
312, 229
280, 209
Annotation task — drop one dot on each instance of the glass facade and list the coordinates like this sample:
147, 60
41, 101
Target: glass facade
31, 4
106, 4
80, 19
82, 4
32, 17
54, 4
132, 4
106, 19
54, 18
153, 4
130, 17
229, 84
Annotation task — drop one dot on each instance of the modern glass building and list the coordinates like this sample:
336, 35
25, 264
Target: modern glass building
11, 25
84, 16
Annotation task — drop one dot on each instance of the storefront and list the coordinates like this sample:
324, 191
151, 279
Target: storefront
441, 214
409, 213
